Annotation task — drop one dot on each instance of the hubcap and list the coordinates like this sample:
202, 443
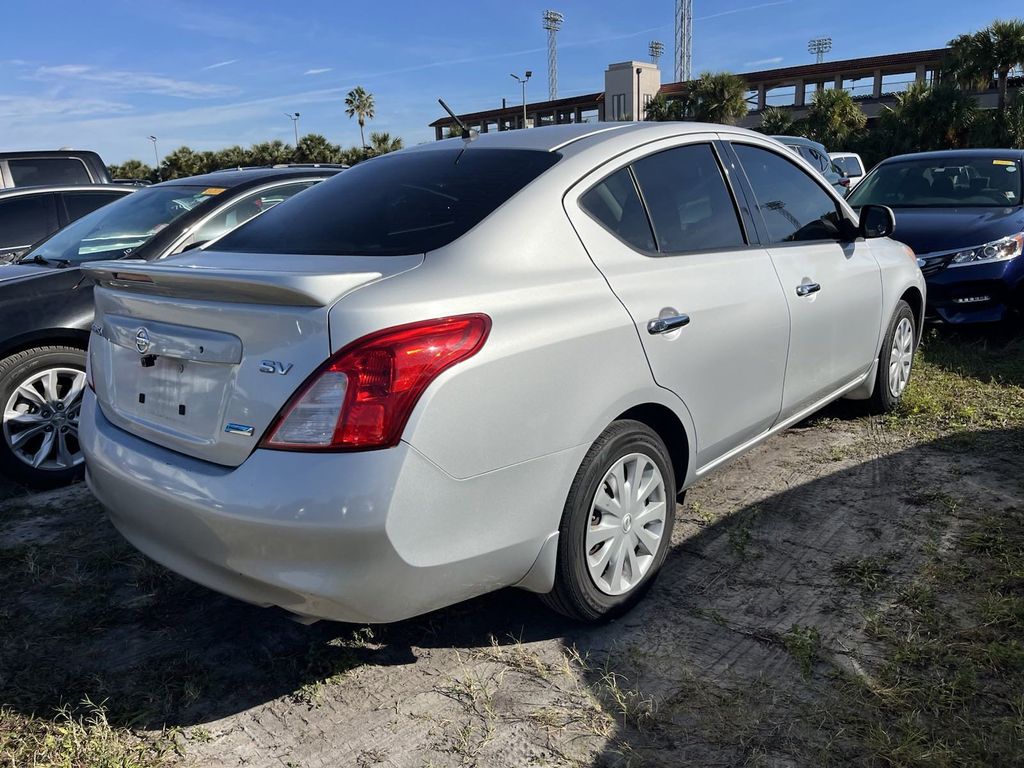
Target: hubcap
627, 520
41, 419
901, 356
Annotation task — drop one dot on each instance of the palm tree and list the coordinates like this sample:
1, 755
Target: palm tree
315, 148
719, 98
998, 48
834, 117
382, 142
359, 104
776, 122
929, 117
660, 109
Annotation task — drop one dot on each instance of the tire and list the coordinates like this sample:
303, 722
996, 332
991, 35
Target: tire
887, 394
47, 428
584, 589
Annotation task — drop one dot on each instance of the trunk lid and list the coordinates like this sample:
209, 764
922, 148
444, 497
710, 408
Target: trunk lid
199, 353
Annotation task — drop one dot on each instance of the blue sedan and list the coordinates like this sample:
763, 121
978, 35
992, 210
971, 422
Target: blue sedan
961, 211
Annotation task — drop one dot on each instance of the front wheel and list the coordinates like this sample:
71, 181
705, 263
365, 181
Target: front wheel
895, 359
41, 395
616, 525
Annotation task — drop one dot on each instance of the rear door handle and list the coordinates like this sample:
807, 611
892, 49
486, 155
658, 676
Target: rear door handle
806, 289
667, 324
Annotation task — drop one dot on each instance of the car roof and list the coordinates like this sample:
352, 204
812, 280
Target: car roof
843, 154
952, 154
49, 153
23, 191
573, 136
239, 177
802, 141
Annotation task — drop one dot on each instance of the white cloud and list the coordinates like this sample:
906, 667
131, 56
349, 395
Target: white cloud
764, 62
29, 107
317, 71
131, 82
220, 64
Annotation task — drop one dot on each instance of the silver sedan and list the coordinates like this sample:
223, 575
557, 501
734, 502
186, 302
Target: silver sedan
482, 363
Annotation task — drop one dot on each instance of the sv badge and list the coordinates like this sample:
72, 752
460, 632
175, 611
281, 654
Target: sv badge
273, 366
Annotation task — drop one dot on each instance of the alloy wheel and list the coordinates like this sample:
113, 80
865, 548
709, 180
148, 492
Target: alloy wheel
626, 526
40, 421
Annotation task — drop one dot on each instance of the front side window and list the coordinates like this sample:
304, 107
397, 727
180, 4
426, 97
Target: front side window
394, 205
690, 206
117, 229
616, 204
39, 171
24, 220
794, 207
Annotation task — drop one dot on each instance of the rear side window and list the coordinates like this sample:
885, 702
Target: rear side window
78, 204
690, 205
25, 220
394, 205
795, 208
39, 171
615, 203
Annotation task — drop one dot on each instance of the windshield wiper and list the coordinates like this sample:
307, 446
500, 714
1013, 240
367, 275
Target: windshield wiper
37, 259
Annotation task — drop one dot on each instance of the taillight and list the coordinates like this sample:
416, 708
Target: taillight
362, 396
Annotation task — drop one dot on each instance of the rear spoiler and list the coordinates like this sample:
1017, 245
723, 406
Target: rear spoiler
249, 286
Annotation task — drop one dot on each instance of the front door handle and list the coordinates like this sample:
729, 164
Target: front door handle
806, 289
667, 324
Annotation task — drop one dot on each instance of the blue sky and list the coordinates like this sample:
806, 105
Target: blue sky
107, 74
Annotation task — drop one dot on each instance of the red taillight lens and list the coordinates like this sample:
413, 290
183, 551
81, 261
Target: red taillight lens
362, 397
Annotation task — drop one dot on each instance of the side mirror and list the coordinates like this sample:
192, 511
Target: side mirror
877, 221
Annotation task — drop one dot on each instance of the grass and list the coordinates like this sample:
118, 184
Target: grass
963, 382
946, 684
78, 740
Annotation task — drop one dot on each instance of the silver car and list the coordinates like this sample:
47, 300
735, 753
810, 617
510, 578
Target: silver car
484, 363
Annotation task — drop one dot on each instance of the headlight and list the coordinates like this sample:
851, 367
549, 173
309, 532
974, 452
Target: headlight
999, 250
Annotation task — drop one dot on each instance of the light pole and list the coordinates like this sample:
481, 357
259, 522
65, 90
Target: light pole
522, 81
638, 96
156, 157
294, 117
819, 46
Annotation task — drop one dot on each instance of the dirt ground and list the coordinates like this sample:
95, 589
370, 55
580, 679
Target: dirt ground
762, 643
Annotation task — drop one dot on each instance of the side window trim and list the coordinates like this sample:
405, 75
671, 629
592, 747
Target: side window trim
817, 178
737, 180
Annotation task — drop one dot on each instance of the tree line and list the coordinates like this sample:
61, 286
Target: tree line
311, 148
939, 115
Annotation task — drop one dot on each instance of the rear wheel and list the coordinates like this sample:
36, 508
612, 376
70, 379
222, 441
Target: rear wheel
41, 396
895, 359
616, 526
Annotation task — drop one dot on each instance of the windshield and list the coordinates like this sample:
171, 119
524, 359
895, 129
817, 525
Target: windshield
967, 182
119, 228
848, 165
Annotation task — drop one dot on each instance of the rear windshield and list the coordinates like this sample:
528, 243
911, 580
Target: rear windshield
849, 165
117, 229
394, 205
964, 182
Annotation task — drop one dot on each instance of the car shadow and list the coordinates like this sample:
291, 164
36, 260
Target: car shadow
86, 618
